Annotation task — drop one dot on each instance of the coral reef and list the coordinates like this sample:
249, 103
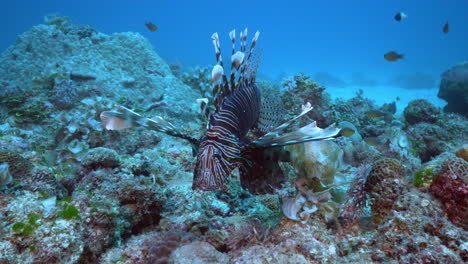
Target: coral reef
73, 193
419, 235
420, 110
201, 252
18, 166
384, 185
451, 188
151, 247
301, 89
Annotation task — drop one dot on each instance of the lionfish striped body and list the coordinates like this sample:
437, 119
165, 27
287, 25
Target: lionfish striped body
237, 111
225, 145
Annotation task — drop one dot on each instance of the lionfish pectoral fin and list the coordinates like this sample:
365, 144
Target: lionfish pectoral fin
304, 134
260, 172
126, 118
310, 132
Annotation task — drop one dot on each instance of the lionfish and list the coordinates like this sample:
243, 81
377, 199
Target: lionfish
227, 144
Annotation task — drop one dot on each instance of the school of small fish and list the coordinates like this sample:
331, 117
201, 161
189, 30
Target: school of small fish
393, 55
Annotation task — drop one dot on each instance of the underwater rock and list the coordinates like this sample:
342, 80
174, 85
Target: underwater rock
61, 51
65, 95
355, 149
199, 78
114, 205
454, 89
420, 110
101, 158
197, 252
149, 247
80, 76
416, 231
33, 232
428, 140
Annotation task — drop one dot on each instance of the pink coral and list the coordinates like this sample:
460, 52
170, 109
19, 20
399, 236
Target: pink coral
451, 188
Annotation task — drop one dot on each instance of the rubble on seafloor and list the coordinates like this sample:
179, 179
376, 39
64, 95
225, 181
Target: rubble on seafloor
73, 193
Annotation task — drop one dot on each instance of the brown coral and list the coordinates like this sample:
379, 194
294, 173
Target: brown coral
463, 152
457, 166
19, 167
384, 185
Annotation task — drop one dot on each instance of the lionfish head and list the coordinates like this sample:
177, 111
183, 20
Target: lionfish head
215, 163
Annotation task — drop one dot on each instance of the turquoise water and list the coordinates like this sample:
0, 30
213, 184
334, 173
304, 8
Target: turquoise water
338, 37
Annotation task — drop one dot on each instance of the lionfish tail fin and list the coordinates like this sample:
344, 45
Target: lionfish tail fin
310, 132
242, 69
125, 118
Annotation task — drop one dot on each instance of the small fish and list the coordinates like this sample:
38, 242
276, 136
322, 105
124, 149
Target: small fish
347, 132
151, 27
373, 141
393, 56
389, 108
376, 113
445, 29
398, 98
400, 16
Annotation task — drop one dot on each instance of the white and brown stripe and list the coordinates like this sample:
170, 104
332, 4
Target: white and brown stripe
237, 109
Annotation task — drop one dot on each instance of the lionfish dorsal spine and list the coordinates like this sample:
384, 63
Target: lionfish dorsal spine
220, 68
250, 76
203, 104
240, 60
232, 36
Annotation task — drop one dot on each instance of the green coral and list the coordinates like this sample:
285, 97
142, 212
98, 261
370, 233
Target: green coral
13, 100
31, 113
27, 229
424, 177
69, 211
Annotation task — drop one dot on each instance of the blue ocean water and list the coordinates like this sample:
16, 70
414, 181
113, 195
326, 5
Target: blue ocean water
344, 40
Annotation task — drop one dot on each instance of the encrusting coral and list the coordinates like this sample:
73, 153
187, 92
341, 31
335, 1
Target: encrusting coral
451, 187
